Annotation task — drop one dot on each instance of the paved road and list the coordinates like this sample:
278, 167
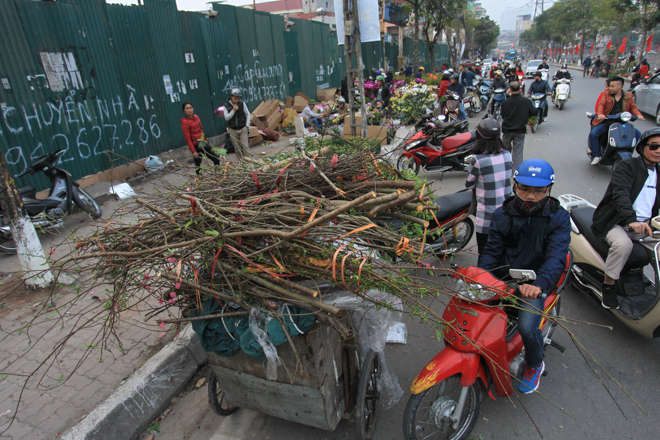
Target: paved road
592, 410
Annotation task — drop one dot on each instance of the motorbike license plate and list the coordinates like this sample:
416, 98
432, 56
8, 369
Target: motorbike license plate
466, 104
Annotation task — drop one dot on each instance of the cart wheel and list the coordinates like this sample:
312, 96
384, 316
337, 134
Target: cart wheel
368, 395
217, 398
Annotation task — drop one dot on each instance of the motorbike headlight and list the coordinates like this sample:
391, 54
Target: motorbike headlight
413, 145
626, 116
473, 292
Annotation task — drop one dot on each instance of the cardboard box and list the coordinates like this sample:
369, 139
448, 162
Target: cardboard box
274, 120
299, 103
271, 106
254, 120
325, 94
302, 95
289, 102
255, 140
253, 131
373, 131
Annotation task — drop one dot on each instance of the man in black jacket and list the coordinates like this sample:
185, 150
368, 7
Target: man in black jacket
629, 203
515, 111
457, 87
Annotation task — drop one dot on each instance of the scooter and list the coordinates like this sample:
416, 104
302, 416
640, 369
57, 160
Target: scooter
521, 80
539, 103
468, 105
620, 141
450, 155
483, 352
484, 90
498, 98
639, 305
562, 92
544, 74
472, 95
452, 104
434, 129
49, 212
453, 229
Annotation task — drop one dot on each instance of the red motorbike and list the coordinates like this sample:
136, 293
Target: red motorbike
483, 351
451, 154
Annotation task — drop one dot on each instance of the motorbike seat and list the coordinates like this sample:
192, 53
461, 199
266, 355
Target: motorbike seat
453, 142
450, 124
583, 217
452, 204
28, 190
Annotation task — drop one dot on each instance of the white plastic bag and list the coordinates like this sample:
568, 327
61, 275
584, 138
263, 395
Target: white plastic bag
153, 164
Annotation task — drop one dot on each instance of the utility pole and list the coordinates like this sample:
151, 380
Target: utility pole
36, 271
353, 45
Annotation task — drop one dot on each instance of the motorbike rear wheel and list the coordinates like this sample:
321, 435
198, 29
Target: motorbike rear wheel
536, 124
476, 103
464, 230
7, 246
86, 202
428, 414
561, 105
407, 163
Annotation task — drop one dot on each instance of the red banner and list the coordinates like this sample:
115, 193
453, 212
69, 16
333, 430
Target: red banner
609, 45
648, 43
592, 48
623, 45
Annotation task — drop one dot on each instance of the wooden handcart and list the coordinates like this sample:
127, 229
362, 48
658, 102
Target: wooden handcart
334, 383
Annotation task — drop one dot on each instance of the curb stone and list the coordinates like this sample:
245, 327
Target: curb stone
133, 406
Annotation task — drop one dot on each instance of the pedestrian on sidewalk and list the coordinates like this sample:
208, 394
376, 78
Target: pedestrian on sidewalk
597, 64
237, 116
191, 126
489, 175
515, 111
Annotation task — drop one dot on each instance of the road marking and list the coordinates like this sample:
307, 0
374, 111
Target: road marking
235, 427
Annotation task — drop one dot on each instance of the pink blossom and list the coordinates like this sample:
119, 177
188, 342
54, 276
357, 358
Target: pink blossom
146, 275
162, 325
147, 287
177, 286
171, 301
188, 189
171, 260
172, 295
160, 301
91, 293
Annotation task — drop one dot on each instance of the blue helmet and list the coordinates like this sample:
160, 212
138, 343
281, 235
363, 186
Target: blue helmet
535, 172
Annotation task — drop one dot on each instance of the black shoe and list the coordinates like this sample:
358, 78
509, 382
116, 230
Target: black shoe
610, 301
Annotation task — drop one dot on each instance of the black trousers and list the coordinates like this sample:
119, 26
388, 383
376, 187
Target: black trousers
482, 239
206, 150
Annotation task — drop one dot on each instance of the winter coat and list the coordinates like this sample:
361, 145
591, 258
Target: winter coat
192, 131
442, 88
616, 207
539, 242
606, 103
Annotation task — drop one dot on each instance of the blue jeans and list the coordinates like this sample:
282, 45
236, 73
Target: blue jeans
598, 131
316, 122
529, 320
461, 111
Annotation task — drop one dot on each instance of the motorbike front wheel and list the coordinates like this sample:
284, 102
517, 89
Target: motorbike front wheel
407, 163
430, 415
86, 202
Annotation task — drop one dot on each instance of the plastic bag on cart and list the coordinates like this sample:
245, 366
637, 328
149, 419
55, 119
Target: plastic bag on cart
372, 325
258, 335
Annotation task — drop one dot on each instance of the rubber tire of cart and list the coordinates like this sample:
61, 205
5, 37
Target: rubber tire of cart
217, 401
366, 412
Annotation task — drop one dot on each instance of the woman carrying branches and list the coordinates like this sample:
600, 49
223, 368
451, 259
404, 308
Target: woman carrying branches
191, 126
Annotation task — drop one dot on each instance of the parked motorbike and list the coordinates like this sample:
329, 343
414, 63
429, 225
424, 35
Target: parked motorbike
453, 229
452, 106
483, 352
639, 307
562, 92
434, 129
484, 90
620, 141
539, 103
49, 212
498, 98
450, 155
468, 105
472, 96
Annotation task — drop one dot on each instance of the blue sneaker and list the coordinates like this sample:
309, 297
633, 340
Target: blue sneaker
531, 379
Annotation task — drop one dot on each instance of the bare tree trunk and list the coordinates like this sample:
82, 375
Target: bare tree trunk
416, 36
431, 51
582, 47
642, 41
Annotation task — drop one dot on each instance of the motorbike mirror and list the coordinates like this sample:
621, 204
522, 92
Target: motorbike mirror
468, 159
522, 274
656, 233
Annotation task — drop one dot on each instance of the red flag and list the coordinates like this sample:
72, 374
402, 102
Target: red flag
648, 43
623, 45
609, 45
577, 49
592, 48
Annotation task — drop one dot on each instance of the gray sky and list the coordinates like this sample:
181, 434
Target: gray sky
494, 8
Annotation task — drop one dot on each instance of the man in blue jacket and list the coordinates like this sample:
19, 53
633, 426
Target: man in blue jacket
457, 87
530, 231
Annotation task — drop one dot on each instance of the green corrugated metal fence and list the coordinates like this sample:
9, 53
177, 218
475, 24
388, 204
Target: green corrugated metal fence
106, 82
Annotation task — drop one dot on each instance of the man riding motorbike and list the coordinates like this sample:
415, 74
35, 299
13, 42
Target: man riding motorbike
540, 86
614, 102
530, 231
561, 74
457, 87
544, 64
623, 215
497, 83
640, 72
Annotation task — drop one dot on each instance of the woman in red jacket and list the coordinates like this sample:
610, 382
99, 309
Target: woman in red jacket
193, 133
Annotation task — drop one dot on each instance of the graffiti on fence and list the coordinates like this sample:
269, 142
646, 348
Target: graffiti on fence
251, 82
84, 128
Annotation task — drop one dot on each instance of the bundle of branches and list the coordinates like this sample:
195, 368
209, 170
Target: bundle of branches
249, 234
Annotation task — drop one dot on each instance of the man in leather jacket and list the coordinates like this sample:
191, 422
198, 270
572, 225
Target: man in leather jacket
544, 64
561, 74
623, 215
540, 86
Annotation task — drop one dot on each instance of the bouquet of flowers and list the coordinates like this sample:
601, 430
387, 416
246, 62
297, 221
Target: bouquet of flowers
410, 102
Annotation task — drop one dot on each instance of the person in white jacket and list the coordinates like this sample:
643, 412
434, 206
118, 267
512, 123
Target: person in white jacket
311, 117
